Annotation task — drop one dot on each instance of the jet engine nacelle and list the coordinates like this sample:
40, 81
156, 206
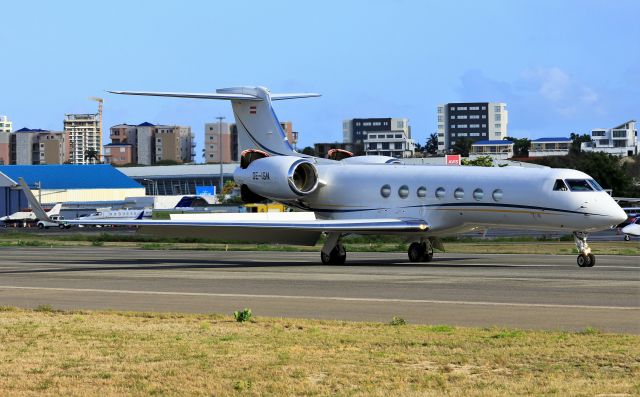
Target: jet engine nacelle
279, 177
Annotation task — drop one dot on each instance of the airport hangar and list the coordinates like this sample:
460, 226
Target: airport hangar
82, 188
174, 180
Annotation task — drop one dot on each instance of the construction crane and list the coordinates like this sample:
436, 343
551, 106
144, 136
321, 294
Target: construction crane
100, 102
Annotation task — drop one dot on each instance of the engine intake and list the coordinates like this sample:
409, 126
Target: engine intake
279, 177
303, 177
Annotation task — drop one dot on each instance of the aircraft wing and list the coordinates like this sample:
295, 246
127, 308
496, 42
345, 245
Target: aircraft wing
315, 225
232, 228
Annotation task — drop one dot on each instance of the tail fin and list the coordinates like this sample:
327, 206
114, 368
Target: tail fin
33, 202
55, 210
257, 123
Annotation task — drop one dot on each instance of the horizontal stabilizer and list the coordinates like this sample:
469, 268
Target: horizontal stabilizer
230, 96
280, 97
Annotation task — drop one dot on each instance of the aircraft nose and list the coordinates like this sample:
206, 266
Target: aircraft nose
618, 215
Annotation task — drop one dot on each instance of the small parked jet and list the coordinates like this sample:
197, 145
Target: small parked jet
377, 195
28, 216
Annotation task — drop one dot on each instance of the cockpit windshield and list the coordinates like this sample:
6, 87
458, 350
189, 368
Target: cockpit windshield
579, 185
595, 185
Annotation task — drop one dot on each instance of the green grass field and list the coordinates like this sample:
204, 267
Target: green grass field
111, 353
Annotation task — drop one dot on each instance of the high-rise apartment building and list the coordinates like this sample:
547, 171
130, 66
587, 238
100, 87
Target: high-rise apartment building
5, 140
85, 133
174, 143
220, 142
380, 136
5, 124
36, 146
477, 121
147, 144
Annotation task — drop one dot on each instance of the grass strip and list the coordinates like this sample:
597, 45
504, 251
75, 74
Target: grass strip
123, 353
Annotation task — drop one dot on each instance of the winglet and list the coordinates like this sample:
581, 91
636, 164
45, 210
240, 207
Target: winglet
35, 205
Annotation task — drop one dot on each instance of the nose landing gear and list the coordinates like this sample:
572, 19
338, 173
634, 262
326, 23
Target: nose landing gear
421, 251
585, 258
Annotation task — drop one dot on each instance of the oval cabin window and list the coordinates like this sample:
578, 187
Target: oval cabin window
478, 194
422, 192
403, 192
440, 192
458, 193
497, 195
385, 191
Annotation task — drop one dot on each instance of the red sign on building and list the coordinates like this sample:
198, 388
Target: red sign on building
452, 159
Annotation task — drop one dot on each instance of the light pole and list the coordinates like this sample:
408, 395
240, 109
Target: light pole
220, 118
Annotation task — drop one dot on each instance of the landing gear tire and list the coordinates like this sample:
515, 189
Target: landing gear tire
337, 256
583, 260
586, 260
416, 252
40, 226
626, 237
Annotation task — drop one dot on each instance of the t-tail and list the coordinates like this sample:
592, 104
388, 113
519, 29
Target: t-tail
254, 115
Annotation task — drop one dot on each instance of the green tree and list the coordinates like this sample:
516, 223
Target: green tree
92, 155
309, 151
432, 144
521, 146
576, 141
462, 146
481, 161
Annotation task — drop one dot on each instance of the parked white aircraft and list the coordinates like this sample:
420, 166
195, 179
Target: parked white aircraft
376, 195
122, 214
632, 229
27, 216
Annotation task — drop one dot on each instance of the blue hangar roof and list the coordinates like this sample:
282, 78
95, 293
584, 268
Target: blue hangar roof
67, 176
558, 139
494, 142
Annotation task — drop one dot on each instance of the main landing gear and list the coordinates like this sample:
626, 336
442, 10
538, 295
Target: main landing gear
585, 258
333, 252
421, 251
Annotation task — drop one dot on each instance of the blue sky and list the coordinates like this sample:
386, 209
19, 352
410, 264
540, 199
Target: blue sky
561, 66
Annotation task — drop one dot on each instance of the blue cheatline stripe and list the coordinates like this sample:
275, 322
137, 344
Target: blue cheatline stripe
530, 207
257, 142
311, 226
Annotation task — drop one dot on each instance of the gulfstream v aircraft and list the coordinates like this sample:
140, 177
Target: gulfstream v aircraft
377, 195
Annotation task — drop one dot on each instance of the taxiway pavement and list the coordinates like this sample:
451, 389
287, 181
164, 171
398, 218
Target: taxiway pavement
523, 291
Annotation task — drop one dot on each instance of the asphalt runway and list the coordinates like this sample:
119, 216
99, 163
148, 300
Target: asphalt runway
523, 291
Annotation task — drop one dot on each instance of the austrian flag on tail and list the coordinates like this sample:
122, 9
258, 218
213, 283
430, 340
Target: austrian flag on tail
252, 109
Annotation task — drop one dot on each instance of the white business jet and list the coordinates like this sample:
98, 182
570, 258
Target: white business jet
377, 195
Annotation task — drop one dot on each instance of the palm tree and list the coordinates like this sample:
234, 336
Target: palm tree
91, 154
432, 144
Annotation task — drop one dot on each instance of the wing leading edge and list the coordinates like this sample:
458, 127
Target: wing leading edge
317, 225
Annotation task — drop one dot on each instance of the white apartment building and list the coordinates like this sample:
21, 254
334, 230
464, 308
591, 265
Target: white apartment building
84, 132
620, 141
394, 142
5, 124
370, 136
542, 147
478, 121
